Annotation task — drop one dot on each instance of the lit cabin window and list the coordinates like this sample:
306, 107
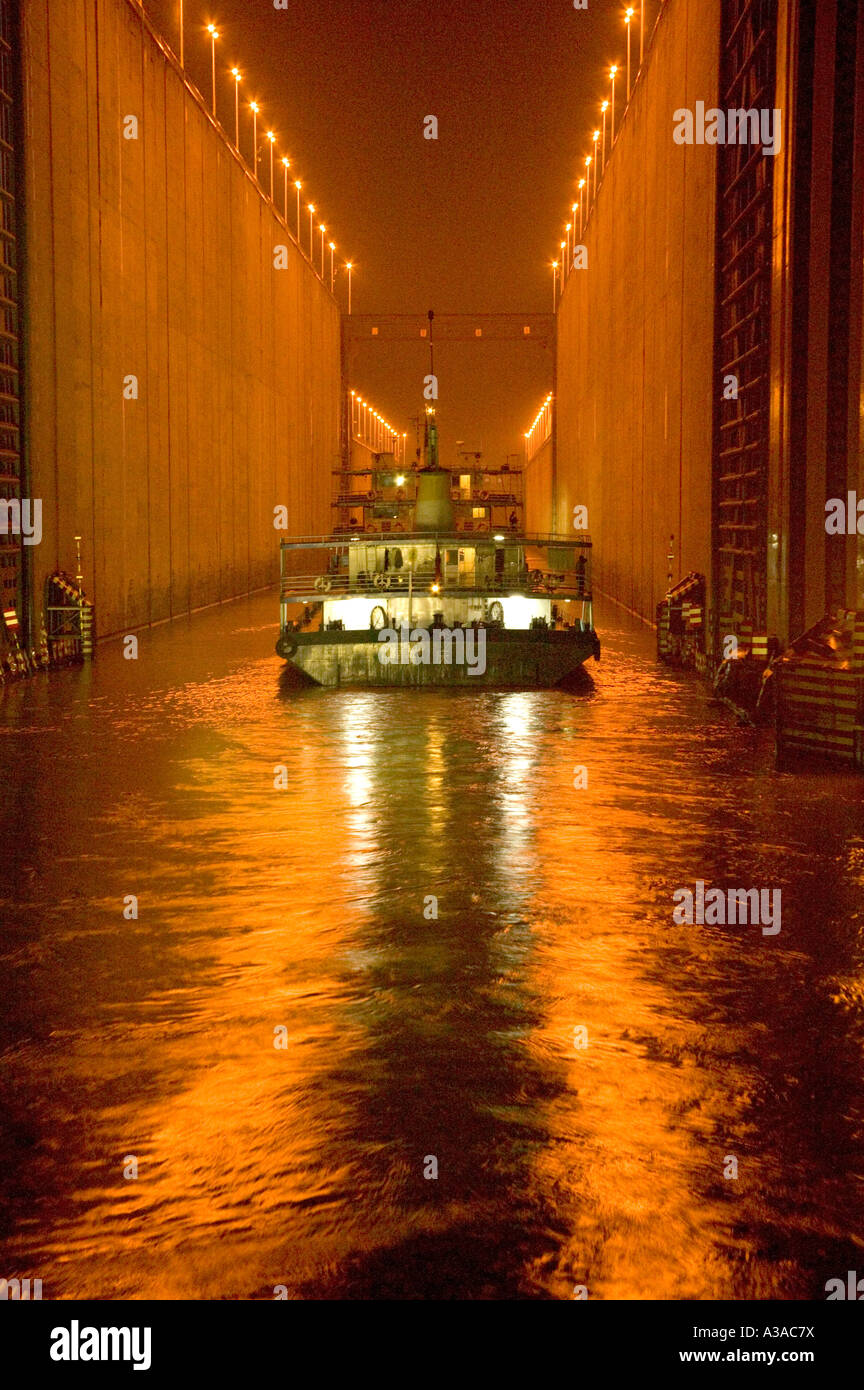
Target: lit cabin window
478, 513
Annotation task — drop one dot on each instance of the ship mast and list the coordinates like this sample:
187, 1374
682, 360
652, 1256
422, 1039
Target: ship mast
431, 432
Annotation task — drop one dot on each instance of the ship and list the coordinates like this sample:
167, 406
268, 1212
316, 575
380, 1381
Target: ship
428, 579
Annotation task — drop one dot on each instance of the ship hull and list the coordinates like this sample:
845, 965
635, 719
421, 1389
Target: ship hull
534, 660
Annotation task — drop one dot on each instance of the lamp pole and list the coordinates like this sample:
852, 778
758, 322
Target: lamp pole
298, 185
581, 203
255, 109
612, 72
311, 207
237, 75
182, 39
349, 268
554, 286
604, 108
332, 270
627, 18
272, 138
286, 165
214, 34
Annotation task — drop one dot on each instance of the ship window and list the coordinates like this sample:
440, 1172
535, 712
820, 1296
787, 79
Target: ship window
478, 511
452, 557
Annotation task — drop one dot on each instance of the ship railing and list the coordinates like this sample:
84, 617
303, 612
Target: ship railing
580, 541
320, 586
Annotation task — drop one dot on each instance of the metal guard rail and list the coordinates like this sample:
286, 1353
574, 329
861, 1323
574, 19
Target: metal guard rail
450, 539
326, 586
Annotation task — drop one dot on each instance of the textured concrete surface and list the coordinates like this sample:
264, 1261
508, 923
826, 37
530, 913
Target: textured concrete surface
635, 332
154, 258
539, 493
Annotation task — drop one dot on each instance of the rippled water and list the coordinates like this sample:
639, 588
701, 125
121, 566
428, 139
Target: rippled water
306, 909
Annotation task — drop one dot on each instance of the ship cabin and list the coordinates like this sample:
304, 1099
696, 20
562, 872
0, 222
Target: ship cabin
434, 547
365, 581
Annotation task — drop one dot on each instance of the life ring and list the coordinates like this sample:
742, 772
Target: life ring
496, 612
381, 581
287, 649
377, 618
323, 582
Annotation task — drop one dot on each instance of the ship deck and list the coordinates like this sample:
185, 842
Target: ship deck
541, 576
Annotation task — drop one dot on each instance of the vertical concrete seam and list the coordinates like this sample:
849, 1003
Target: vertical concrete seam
686, 149
93, 252
172, 610
52, 204
147, 434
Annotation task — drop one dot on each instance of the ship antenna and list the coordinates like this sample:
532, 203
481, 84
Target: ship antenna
431, 426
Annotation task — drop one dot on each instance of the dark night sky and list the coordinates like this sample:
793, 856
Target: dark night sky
469, 222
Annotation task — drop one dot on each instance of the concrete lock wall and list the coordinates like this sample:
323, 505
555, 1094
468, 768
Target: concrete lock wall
154, 258
539, 492
635, 332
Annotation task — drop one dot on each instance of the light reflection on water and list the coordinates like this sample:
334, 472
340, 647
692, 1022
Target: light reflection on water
407, 1035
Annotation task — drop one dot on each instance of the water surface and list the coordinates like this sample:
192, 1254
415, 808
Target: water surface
308, 909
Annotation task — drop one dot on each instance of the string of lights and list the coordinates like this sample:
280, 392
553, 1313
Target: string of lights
254, 108
539, 430
595, 162
370, 428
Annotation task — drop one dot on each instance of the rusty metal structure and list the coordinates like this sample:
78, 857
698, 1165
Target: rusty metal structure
12, 483
743, 324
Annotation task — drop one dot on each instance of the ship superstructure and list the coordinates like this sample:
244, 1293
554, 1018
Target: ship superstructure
429, 578
433, 551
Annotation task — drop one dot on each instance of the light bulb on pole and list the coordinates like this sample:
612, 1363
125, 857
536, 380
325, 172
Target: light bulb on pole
214, 34
286, 165
272, 138
255, 108
238, 76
